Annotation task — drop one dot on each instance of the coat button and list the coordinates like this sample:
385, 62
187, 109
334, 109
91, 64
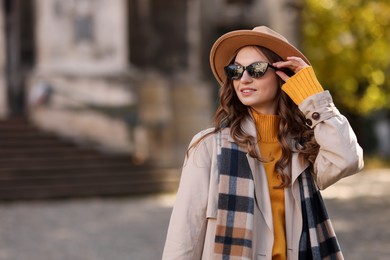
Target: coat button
309, 122
315, 115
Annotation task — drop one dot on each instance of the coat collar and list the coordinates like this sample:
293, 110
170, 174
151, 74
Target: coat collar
248, 126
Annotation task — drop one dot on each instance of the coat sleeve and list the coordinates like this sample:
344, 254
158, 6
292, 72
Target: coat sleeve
187, 227
340, 155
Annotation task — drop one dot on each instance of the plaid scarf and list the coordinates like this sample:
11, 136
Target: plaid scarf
233, 237
318, 239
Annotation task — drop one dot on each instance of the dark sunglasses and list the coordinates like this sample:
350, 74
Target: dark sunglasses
255, 70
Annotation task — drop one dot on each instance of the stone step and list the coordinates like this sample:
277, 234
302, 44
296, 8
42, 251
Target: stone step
46, 142
76, 164
38, 165
47, 152
59, 162
68, 168
95, 184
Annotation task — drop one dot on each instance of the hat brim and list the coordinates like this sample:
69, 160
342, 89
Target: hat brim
228, 44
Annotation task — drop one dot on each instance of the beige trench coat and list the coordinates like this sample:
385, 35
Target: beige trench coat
192, 226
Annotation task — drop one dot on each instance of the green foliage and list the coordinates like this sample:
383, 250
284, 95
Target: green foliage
348, 43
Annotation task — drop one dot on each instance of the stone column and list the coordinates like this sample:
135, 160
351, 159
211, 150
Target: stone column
81, 87
81, 37
285, 18
3, 85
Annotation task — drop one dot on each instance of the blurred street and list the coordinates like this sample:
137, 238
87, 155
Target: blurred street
134, 227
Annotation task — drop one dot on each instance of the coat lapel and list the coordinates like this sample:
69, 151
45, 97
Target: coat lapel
297, 167
262, 197
293, 203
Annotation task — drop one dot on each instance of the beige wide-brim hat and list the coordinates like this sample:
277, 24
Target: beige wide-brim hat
226, 47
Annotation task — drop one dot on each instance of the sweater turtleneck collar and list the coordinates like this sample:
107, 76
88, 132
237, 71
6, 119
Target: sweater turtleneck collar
267, 127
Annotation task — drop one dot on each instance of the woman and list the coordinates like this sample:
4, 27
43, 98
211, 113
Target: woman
249, 186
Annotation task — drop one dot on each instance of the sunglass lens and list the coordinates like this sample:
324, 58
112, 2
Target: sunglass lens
234, 71
257, 70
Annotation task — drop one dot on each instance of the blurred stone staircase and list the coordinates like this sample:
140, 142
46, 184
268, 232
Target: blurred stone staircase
39, 165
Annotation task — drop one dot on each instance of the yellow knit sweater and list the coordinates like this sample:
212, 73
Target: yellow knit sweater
298, 87
271, 152
302, 85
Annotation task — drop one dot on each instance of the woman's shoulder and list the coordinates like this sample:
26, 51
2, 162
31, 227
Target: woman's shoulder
203, 135
210, 133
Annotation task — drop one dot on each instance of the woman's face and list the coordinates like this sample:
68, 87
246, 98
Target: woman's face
259, 94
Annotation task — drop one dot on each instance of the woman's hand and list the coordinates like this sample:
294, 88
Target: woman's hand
293, 63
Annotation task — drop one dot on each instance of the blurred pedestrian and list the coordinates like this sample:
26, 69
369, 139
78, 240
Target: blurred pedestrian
250, 185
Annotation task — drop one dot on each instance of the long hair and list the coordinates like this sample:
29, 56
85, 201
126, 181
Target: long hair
292, 130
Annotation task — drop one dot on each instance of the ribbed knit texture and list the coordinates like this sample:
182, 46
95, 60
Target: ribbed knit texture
271, 151
302, 85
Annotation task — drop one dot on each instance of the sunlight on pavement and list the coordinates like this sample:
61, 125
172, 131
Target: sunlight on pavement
369, 183
166, 200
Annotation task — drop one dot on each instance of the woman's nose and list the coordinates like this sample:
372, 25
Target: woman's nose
246, 77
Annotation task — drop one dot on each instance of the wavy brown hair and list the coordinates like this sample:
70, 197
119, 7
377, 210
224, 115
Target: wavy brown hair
231, 113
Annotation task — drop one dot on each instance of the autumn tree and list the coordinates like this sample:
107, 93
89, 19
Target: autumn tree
348, 43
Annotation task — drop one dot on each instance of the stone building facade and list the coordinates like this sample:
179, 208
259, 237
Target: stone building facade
127, 76
3, 85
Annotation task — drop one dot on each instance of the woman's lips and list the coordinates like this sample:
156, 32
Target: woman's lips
247, 90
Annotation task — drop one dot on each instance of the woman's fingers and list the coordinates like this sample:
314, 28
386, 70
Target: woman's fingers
282, 75
293, 63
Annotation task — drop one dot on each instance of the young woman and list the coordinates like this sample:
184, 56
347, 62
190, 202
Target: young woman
249, 186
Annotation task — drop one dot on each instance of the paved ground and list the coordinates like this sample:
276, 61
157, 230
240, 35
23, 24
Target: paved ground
359, 207
134, 228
